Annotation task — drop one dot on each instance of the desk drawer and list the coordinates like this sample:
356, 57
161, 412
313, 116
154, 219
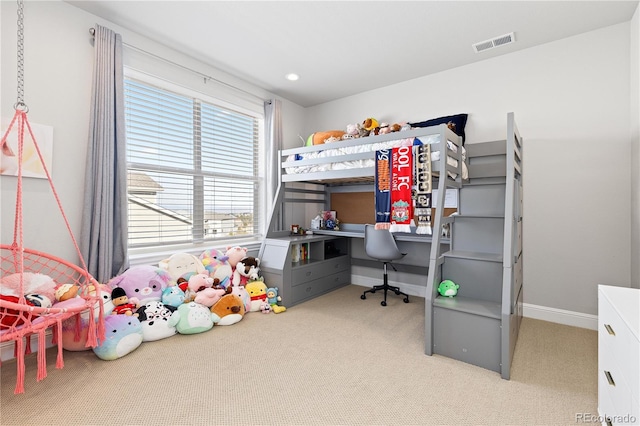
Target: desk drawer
310, 289
304, 274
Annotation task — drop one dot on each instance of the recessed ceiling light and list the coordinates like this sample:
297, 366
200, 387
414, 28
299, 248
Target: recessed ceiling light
292, 76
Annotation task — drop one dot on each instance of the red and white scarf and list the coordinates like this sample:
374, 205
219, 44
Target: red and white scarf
401, 185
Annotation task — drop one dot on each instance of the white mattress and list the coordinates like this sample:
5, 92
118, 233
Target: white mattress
342, 165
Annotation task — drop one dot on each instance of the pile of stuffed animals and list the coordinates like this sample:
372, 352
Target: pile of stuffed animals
184, 294
369, 126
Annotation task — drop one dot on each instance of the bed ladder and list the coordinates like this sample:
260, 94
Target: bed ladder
480, 325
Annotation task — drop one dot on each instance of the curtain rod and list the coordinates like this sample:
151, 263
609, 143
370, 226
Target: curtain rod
206, 77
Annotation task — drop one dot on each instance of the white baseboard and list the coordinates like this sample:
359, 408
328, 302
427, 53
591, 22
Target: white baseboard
560, 316
6, 348
544, 313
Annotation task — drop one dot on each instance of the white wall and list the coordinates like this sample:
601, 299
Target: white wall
58, 75
58, 65
571, 103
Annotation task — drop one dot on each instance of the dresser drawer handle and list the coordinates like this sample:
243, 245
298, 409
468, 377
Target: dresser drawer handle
309, 273
609, 330
609, 378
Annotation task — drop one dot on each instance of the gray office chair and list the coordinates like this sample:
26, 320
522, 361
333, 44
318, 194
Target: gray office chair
379, 244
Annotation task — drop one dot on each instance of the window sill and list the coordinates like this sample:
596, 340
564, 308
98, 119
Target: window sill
152, 256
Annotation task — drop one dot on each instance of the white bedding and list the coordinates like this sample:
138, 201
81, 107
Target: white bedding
342, 165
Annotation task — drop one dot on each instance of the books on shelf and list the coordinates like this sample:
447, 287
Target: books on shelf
299, 252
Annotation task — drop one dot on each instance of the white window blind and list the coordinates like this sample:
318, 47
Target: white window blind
193, 172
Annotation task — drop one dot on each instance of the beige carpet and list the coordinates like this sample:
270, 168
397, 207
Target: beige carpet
335, 360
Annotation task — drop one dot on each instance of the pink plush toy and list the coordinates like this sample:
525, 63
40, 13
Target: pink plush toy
200, 290
210, 296
197, 283
235, 255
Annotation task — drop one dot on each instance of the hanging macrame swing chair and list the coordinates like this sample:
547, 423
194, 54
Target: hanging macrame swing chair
23, 315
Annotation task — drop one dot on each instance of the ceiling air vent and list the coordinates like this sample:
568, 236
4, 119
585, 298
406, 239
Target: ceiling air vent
494, 42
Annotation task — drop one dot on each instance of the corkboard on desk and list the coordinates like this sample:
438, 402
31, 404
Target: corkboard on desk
354, 207
359, 207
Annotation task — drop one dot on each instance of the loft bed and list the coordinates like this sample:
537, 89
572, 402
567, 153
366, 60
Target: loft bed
313, 175
483, 253
352, 160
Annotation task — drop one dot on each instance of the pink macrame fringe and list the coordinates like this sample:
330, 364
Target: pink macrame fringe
77, 329
59, 359
20, 359
42, 356
17, 261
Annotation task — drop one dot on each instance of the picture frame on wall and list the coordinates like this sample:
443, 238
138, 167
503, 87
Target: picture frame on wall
31, 163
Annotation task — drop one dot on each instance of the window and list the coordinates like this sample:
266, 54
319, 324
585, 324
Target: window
193, 172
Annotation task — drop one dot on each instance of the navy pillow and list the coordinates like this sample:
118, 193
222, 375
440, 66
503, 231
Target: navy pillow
459, 121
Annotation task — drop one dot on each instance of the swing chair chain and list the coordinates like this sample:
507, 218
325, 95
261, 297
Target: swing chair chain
20, 105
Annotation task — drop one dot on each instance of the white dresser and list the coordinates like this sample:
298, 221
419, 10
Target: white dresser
618, 355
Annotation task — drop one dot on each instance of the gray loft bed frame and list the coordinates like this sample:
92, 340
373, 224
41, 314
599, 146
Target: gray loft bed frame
480, 325
322, 180
349, 175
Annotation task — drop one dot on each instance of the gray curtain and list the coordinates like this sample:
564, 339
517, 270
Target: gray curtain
103, 239
273, 128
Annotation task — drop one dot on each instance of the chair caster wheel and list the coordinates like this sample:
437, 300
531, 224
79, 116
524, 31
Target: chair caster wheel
406, 300
363, 297
383, 303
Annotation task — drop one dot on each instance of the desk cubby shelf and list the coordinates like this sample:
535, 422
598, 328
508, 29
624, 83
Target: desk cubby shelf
327, 266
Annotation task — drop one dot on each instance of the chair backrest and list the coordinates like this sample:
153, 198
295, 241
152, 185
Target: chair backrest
379, 244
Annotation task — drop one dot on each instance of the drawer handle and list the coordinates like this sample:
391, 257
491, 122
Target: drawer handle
609, 330
309, 273
609, 378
